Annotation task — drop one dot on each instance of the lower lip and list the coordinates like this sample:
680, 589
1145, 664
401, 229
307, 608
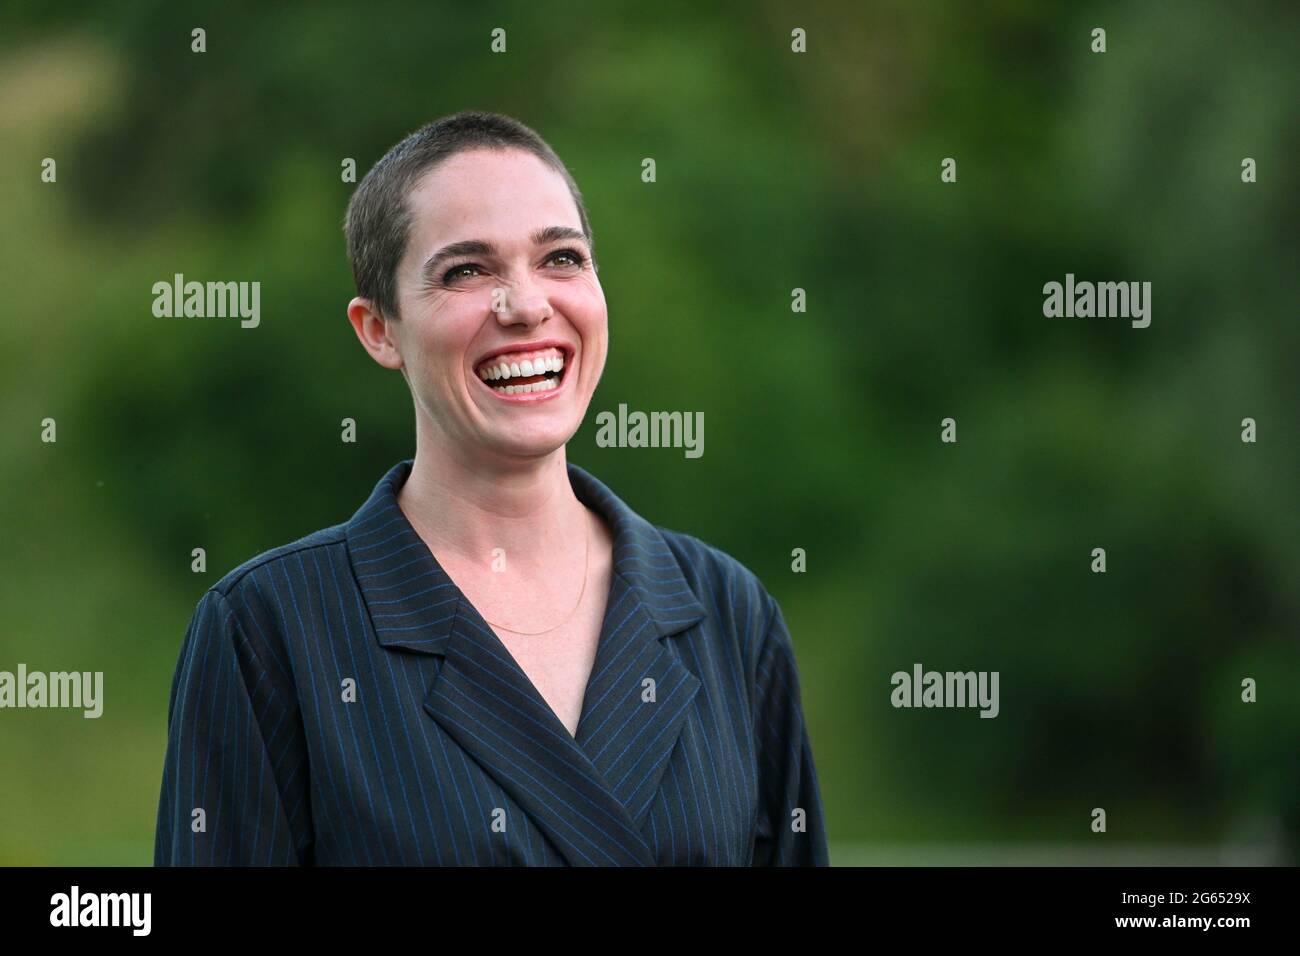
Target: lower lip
529, 398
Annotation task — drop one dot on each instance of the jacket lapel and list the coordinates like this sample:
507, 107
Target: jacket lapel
589, 794
637, 699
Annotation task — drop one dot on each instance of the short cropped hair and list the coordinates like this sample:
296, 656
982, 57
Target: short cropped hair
378, 220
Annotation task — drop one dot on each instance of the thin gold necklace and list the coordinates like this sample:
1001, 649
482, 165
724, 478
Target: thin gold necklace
586, 555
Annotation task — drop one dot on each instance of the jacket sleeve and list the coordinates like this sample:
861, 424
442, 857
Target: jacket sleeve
234, 788
787, 776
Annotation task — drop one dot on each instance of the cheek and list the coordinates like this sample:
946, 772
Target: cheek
439, 340
585, 306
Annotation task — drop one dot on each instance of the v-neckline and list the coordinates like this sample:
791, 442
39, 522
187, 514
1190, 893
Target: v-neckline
604, 569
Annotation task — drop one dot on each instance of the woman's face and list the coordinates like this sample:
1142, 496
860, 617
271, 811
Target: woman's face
509, 300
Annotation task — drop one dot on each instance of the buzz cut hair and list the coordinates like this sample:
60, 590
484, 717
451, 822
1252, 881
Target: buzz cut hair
378, 220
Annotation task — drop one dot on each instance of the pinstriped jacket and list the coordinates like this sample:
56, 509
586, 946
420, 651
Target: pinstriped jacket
445, 753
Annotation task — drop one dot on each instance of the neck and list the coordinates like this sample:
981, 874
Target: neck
466, 508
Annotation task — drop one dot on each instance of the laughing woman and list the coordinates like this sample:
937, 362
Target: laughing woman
495, 660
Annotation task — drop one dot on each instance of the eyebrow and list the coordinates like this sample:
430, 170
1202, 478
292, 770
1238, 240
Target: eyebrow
481, 247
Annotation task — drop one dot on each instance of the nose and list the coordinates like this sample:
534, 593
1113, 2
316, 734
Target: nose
523, 303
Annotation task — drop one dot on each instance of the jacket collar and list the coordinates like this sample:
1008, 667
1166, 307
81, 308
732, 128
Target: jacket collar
413, 603
590, 792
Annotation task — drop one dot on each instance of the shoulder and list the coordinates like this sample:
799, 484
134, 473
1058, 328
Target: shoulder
241, 600
236, 581
709, 563
727, 588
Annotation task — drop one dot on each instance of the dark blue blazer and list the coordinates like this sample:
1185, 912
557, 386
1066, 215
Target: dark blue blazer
445, 753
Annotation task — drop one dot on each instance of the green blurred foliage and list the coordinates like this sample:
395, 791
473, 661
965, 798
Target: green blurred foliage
775, 171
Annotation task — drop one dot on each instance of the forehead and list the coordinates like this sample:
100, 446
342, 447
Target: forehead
497, 195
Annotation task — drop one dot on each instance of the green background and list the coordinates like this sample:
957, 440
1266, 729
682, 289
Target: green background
775, 171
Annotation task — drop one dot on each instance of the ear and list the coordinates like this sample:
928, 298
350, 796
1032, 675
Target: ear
374, 332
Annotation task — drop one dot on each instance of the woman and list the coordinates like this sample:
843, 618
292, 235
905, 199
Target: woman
495, 660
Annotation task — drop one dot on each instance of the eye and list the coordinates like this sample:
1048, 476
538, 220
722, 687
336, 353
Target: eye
454, 271
578, 258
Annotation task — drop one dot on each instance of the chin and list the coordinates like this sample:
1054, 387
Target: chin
533, 443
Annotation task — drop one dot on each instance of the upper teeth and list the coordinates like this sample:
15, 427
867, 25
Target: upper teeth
519, 364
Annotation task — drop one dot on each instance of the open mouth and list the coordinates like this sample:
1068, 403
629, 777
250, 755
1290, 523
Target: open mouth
524, 373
